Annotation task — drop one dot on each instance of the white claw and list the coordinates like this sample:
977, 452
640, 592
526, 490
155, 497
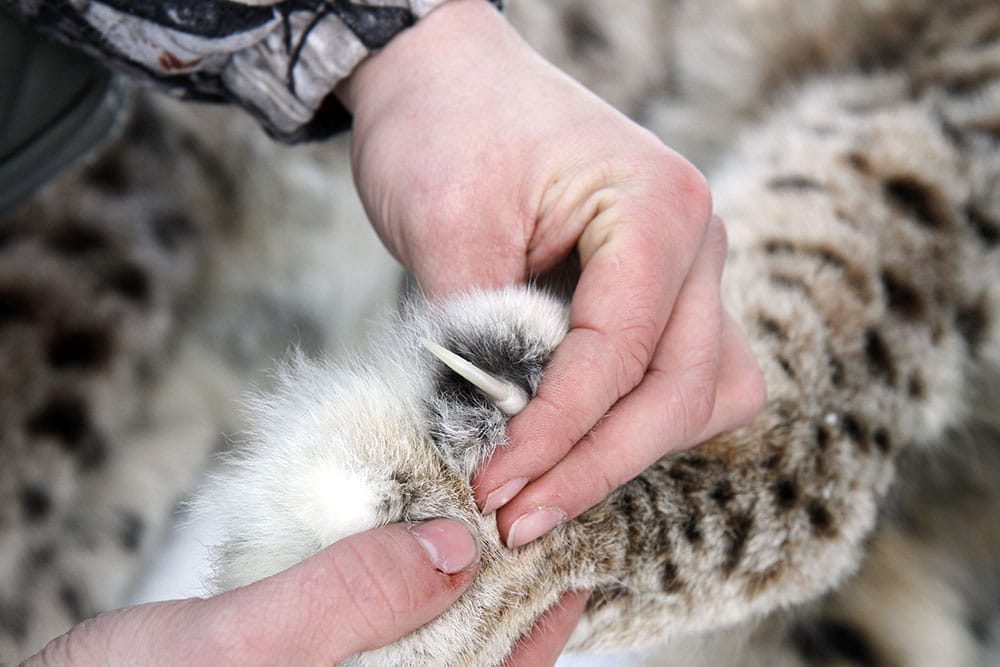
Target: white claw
507, 396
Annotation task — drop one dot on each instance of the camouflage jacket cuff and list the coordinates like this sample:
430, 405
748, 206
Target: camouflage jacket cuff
280, 59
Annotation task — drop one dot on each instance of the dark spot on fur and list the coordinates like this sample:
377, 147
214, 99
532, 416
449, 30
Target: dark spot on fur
859, 163
830, 642
837, 373
172, 229
786, 366
988, 230
15, 617
130, 531
918, 200
76, 239
779, 247
722, 494
822, 437
820, 519
669, 579
72, 601
649, 490
108, 175
36, 503
685, 481
63, 418
786, 493
882, 440
738, 529
794, 182
692, 528
82, 347
695, 461
583, 33
880, 361
915, 387
902, 298
772, 328
129, 281
16, 306
855, 430
972, 321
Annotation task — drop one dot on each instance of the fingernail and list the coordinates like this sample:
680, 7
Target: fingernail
448, 544
533, 525
501, 496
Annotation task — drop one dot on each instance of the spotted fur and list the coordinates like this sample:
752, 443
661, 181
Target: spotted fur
852, 149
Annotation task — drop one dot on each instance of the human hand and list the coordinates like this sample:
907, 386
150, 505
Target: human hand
481, 165
362, 592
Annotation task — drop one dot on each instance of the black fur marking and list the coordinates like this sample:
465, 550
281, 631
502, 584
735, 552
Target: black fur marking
63, 418
822, 437
986, 229
36, 503
108, 175
918, 200
820, 519
82, 347
915, 387
75, 239
882, 440
830, 642
880, 361
856, 431
972, 322
16, 306
129, 281
692, 528
786, 493
722, 494
786, 366
669, 579
772, 328
738, 529
686, 482
130, 531
902, 298
837, 372
72, 602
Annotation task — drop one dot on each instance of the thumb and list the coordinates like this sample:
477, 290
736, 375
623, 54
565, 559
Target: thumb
363, 592
358, 594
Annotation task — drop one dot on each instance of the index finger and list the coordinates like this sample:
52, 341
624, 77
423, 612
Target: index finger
635, 257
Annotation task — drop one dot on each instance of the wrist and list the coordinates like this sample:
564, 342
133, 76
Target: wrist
453, 37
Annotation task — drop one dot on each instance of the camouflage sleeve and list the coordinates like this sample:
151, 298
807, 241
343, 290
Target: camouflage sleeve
280, 59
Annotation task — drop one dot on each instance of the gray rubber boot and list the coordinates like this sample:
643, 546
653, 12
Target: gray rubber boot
56, 104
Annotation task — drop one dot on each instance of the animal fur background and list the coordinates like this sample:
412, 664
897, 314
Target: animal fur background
145, 291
